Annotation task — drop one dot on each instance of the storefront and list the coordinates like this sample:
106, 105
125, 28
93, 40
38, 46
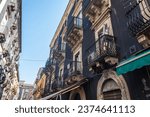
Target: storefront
136, 71
135, 62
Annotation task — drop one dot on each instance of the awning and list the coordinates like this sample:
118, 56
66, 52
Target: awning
135, 62
65, 90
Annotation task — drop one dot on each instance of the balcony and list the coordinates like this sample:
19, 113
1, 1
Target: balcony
139, 17
74, 72
102, 54
138, 14
59, 53
3, 33
57, 85
74, 32
75, 68
50, 64
93, 8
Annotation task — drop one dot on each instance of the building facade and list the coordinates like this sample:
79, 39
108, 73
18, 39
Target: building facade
24, 91
10, 47
101, 50
39, 84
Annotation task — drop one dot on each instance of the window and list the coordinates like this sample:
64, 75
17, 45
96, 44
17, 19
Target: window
63, 46
77, 57
103, 30
77, 62
60, 73
100, 33
80, 14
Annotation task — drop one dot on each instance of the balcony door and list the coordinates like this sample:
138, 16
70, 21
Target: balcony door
102, 44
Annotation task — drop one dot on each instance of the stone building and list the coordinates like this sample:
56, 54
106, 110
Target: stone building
10, 47
101, 50
24, 91
39, 84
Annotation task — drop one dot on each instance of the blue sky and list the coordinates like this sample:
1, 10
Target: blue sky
40, 19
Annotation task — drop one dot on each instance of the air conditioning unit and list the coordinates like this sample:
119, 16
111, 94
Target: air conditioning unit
103, 31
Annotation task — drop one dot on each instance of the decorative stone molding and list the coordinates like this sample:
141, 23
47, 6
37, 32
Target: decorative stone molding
96, 9
73, 79
75, 34
119, 80
58, 55
67, 11
78, 7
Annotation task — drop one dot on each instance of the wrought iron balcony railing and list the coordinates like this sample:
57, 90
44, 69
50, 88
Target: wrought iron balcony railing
59, 53
104, 47
75, 68
50, 61
57, 84
74, 32
138, 14
50, 64
73, 74
76, 23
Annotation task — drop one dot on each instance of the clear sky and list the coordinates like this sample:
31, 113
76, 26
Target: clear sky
40, 19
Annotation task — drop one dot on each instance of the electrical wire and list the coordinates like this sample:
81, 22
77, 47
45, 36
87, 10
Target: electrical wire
32, 60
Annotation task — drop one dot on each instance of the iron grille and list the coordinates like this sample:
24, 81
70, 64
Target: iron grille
138, 14
104, 46
75, 68
76, 22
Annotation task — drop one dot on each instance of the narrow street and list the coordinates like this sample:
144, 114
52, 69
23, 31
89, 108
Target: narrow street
75, 50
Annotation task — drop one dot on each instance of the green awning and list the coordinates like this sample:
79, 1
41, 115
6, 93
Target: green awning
134, 62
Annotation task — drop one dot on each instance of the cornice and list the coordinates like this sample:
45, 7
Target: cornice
64, 17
